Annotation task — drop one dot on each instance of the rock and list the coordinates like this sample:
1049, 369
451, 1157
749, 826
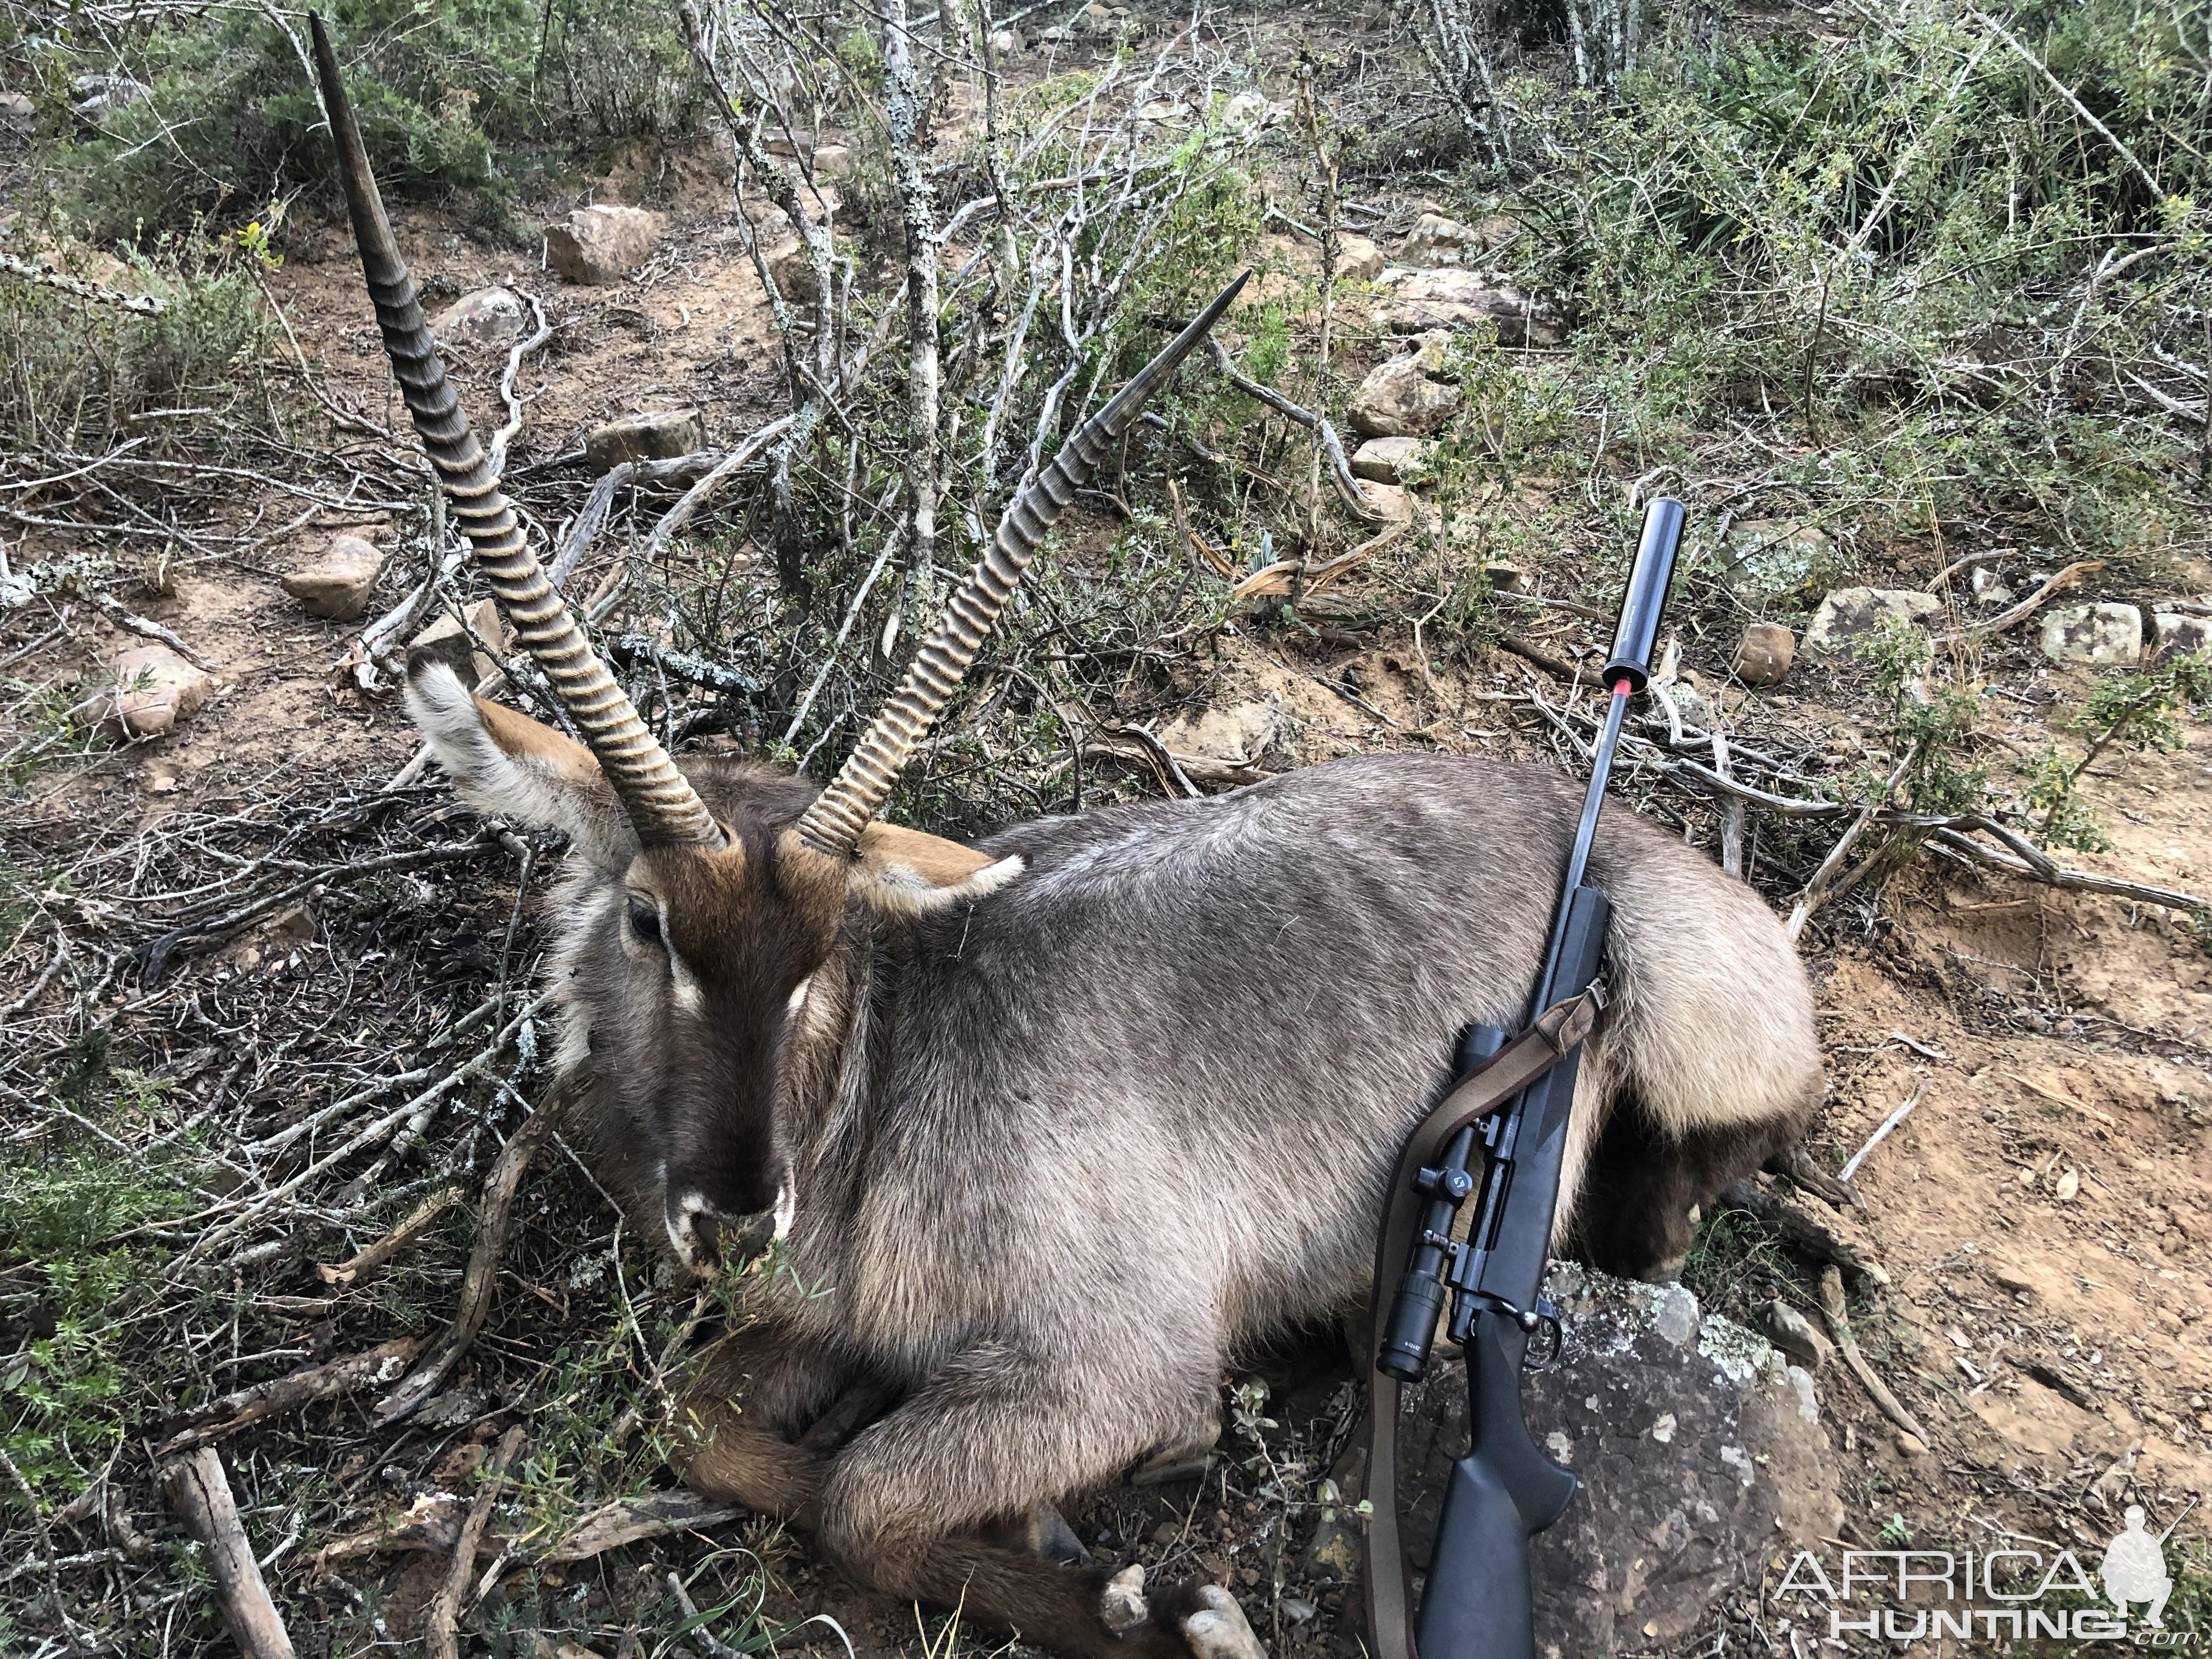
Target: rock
154, 689
1988, 587
1795, 1334
1507, 578
658, 436
602, 245
446, 641
339, 584
489, 317
2096, 634
1245, 114
1691, 707
2006, 1276
1435, 299
1850, 612
1437, 240
1398, 399
1773, 554
1392, 500
795, 277
1391, 460
833, 161
94, 96
2175, 634
1005, 41
772, 223
1357, 260
1763, 655
1699, 1448
16, 110
294, 924
1240, 735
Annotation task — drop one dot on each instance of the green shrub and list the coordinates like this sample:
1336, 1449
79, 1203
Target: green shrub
77, 376
443, 89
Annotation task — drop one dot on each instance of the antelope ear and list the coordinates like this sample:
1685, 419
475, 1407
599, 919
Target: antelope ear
907, 872
508, 764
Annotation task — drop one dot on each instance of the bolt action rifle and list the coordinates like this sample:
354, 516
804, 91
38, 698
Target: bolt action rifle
1513, 1096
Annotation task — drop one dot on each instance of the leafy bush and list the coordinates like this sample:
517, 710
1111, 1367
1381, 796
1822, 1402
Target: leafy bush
1903, 254
216, 112
77, 376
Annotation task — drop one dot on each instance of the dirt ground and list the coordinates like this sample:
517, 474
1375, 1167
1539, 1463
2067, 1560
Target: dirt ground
2044, 1213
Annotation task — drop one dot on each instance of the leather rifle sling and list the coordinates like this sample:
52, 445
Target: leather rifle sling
1520, 1062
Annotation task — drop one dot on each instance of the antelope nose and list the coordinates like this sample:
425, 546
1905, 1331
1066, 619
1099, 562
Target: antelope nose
703, 1237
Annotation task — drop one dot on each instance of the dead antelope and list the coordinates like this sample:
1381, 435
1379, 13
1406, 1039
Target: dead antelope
1052, 1126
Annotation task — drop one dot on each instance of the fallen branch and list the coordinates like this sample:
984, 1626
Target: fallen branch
441, 1631
695, 497
1835, 1241
1881, 1134
521, 349
631, 649
1339, 468
1543, 659
199, 1491
495, 1217
24, 271
302, 1388
2027, 608
352, 1272
147, 629
1840, 1328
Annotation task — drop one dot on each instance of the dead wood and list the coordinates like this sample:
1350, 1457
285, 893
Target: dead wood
199, 1491
494, 1218
360, 1266
246, 1406
1826, 1236
442, 1631
1839, 1328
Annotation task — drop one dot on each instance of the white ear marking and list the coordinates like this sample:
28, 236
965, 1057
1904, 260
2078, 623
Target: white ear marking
898, 886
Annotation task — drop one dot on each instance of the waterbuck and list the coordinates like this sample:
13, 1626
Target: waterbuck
1052, 1126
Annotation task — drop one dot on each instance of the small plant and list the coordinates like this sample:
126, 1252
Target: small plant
1927, 722
2129, 712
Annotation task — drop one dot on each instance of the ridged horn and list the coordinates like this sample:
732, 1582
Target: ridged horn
662, 808
834, 823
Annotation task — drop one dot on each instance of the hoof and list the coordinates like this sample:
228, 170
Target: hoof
1219, 1630
1123, 1607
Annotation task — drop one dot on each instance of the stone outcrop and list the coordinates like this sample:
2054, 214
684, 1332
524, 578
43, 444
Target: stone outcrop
1357, 260
1849, 613
658, 436
1700, 1451
602, 245
1450, 298
340, 583
1391, 460
489, 317
1402, 398
449, 642
2096, 635
1763, 655
153, 689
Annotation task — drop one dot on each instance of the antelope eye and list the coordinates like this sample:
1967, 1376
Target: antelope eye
645, 921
